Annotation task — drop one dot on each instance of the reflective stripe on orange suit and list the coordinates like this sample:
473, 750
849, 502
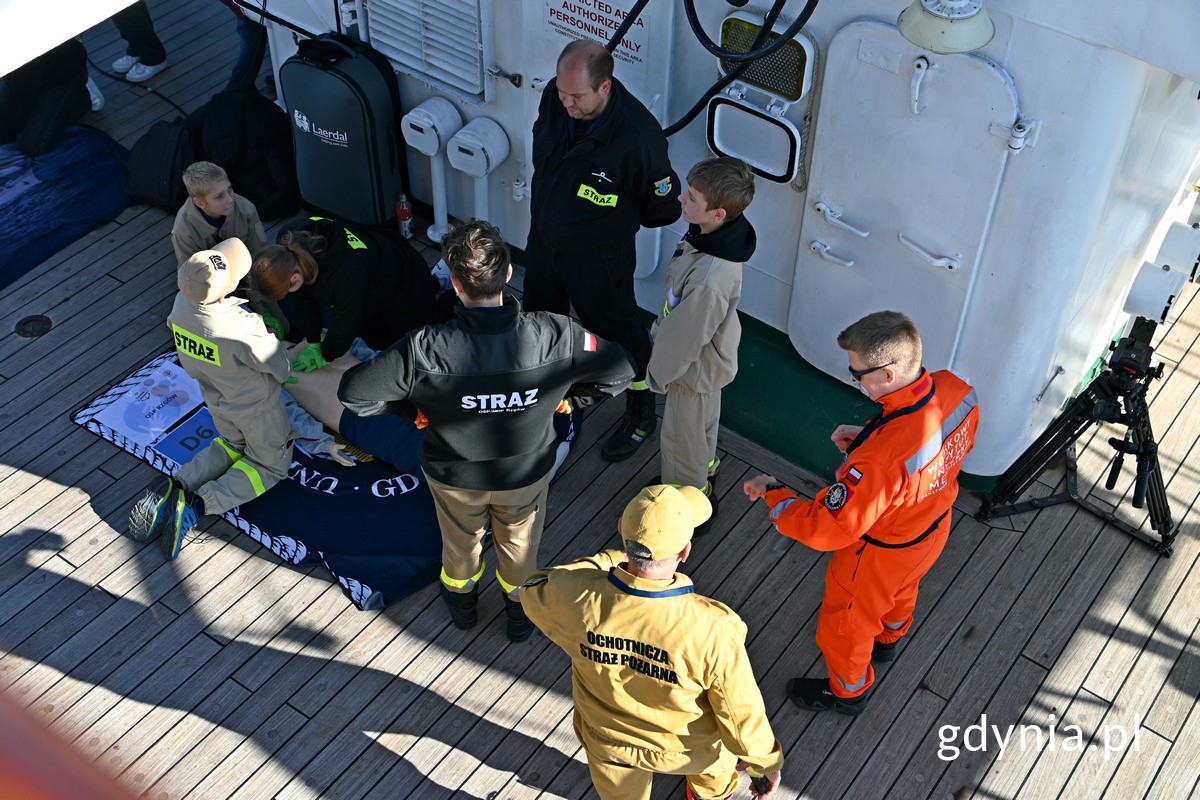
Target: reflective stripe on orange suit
892, 488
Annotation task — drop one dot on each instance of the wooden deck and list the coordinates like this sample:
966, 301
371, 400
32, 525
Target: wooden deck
227, 674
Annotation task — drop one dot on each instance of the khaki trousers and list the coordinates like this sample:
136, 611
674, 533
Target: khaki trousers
689, 435
515, 516
626, 773
243, 463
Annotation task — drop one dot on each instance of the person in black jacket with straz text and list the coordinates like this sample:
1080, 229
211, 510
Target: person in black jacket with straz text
488, 384
600, 173
378, 286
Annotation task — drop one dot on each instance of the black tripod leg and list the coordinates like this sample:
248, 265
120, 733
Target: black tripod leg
1038, 457
1155, 489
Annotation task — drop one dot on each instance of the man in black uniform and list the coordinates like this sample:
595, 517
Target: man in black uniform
488, 383
600, 173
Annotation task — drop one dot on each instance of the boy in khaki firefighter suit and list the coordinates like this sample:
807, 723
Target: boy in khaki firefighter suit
212, 213
697, 332
240, 367
887, 516
661, 678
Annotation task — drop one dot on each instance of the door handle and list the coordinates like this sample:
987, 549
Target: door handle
920, 69
834, 218
822, 249
949, 262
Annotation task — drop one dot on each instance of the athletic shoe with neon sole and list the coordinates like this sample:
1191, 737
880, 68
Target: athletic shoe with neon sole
149, 515
182, 521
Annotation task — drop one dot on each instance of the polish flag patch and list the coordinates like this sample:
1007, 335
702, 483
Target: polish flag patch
589, 342
853, 476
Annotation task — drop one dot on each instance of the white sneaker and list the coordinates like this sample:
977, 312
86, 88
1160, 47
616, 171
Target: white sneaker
124, 64
95, 94
140, 72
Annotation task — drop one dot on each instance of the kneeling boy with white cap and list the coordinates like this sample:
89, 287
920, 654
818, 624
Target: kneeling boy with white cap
240, 366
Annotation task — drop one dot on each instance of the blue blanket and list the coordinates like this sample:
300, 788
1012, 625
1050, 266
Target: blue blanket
372, 525
51, 200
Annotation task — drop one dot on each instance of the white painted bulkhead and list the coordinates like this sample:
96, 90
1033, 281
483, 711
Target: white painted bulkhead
1113, 99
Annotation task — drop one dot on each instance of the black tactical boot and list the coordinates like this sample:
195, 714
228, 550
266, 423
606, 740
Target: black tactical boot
463, 606
882, 653
814, 694
639, 422
519, 627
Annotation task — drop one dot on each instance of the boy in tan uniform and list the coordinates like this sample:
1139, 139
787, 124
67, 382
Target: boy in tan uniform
660, 675
213, 213
240, 367
697, 332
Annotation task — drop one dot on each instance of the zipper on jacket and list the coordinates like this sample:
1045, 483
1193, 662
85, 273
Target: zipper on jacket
858, 563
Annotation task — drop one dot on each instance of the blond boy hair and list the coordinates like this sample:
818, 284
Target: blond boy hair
200, 177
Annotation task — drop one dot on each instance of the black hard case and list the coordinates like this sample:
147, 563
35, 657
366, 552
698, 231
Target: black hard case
344, 104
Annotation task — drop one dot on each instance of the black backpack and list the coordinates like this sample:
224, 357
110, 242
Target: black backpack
157, 162
248, 135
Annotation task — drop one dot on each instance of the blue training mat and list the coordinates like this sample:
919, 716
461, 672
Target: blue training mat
49, 201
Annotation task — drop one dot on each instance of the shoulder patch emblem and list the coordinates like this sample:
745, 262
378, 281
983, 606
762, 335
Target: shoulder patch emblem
662, 187
853, 476
837, 496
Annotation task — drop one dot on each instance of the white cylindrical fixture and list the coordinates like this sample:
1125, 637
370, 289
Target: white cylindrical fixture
441, 219
1155, 289
1180, 250
428, 128
481, 198
477, 150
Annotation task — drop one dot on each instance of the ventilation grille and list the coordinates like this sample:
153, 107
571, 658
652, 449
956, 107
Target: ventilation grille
441, 41
781, 73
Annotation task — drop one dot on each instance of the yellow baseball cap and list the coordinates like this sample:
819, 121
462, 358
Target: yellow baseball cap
662, 518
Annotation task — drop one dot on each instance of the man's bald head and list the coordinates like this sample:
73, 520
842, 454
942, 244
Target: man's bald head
589, 57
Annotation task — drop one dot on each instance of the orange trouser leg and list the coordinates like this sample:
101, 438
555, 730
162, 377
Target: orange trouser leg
868, 589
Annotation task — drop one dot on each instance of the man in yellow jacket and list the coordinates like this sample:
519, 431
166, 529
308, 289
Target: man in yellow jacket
662, 681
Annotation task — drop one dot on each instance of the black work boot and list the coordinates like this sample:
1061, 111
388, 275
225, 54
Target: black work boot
463, 606
639, 422
882, 653
518, 627
814, 694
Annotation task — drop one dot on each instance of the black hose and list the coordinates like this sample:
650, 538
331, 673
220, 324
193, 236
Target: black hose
689, 7
768, 22
630, 18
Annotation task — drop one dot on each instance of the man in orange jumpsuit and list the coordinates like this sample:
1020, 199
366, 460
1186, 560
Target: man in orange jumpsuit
887, 516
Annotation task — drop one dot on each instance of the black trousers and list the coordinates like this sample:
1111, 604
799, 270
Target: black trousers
137, 29
40, 99
598, 285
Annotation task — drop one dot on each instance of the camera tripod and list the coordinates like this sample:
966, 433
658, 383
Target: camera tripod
1118, 394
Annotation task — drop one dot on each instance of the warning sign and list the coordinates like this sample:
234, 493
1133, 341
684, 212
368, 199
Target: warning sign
597, 20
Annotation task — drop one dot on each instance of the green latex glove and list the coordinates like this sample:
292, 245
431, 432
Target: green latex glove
291, 379
273, 325
309, 359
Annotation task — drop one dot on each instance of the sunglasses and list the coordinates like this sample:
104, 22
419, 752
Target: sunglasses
859, 374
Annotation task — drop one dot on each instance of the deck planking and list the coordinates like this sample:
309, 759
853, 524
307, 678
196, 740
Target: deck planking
227, 674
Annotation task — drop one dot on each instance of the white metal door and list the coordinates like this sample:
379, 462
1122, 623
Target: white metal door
908, 154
